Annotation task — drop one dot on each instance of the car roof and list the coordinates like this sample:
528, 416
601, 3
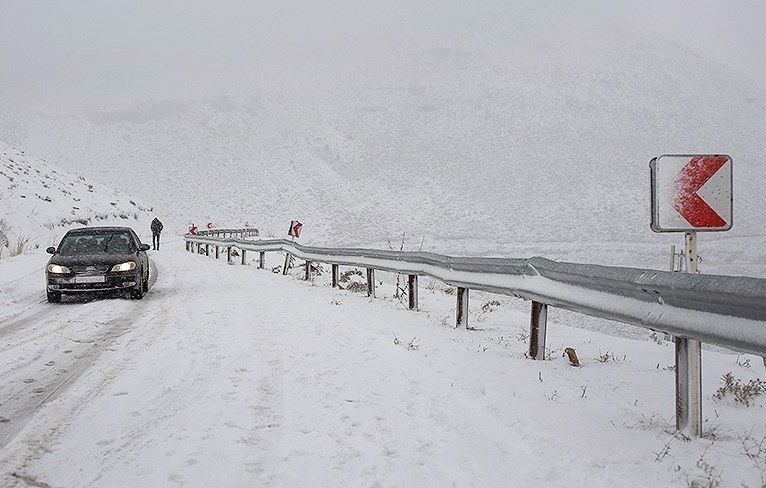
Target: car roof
92, 230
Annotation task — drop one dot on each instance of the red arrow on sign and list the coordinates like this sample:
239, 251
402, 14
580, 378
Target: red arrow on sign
687, 202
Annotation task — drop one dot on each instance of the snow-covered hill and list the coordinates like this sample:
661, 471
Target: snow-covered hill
519, 129
38, 201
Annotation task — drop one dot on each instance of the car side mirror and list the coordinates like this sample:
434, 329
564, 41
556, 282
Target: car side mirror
144, 247
51, 250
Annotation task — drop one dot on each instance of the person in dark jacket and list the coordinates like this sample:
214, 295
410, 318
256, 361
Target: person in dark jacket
156, 230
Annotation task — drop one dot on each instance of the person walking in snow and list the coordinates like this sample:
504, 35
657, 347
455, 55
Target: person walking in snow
156, 230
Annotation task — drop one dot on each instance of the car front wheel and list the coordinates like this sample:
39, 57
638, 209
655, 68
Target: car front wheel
140, 290
54, 297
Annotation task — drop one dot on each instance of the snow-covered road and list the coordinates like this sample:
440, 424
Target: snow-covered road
233, 376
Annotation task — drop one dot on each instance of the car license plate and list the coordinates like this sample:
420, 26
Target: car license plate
90, 279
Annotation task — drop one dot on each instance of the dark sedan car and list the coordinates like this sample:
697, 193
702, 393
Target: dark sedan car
98, 260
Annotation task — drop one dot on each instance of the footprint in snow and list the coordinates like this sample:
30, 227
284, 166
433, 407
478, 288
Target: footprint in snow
29, 380
50, 363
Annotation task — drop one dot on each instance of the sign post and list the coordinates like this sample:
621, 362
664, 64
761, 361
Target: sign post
691, 194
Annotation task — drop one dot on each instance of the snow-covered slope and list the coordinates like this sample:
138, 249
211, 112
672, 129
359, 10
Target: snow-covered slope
38, 201
521, 129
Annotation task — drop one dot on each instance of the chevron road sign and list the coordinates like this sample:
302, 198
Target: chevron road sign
691, 193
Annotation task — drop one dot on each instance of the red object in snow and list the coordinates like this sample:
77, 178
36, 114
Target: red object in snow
193, 230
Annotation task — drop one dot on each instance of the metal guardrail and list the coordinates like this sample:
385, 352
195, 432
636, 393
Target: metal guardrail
724, 310
246, 232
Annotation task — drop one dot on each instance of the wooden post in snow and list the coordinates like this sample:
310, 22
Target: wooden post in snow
262, 260
243, 256
537, 327
412, 289
335, 276
371, 282
461, 319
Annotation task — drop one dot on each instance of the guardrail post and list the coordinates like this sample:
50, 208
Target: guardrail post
216, 251
308, 270
262, 260
207, 249
228, 254
412, 288
688, 387
462, 308
371, 282
287, 263
689, 364
243, 256
537, 330
335, 276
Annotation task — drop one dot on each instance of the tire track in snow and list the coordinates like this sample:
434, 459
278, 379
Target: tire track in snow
265, 434
22, 405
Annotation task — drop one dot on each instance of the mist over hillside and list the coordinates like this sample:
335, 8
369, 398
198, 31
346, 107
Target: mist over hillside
40, 201
513, 129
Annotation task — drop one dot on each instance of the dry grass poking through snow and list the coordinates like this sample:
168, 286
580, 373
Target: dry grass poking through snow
743, 393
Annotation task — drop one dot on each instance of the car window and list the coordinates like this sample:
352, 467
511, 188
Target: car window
112, 243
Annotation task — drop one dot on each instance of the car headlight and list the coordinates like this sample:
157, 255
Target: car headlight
124, 266
56, 269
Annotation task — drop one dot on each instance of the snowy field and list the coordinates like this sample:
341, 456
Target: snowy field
226, 375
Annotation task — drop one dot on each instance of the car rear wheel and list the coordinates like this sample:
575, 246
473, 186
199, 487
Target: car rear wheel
54, 297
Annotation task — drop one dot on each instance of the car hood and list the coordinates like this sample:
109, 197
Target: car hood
101, 259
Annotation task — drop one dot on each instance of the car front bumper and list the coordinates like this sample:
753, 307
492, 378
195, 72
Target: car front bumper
111, 282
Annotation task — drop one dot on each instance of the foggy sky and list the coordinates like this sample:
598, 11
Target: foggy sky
78, 54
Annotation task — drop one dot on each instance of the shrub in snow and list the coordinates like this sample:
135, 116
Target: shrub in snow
743, 393
353, 280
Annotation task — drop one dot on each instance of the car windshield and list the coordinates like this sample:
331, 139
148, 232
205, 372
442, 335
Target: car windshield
111, 243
